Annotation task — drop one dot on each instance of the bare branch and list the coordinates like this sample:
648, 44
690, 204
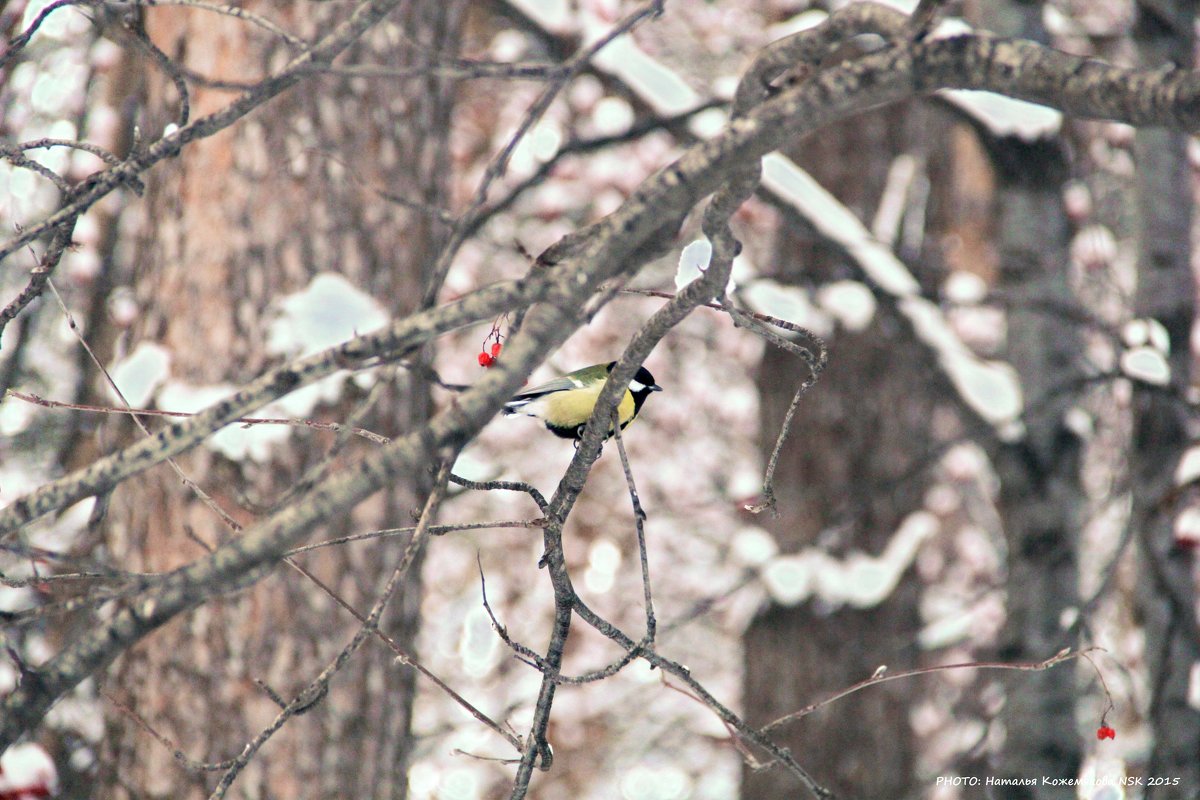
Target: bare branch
319, 686
639, 520
499, 164
366, 14
881, 675
230, 11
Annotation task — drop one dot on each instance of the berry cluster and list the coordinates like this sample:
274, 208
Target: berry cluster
489, 354
487, 359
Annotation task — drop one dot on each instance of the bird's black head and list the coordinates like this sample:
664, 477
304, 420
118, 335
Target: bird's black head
643, 381
641, 386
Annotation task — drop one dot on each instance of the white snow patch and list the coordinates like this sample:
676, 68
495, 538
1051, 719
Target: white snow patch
666, 92
604, 559
965, 288
545, 139
753, 547
1080, 422
803, 21
991, 388
1188, 469
477, 643
1006, 116
27, 767
849, 302
509, 45
471, 467
612, 115
236, 442
8, 673
1146, 364
659, 781
327, 312
694, 259
788, 579
860, 580
1094, 246
553, 15
789, 303
15, 416
1146, 331
950, 27
893, 203
903, 6
944, 632
708, 123
836, 222
138, 374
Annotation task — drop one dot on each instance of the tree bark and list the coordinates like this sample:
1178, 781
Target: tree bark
241, 219
1042, 500
1166, 590
843, 482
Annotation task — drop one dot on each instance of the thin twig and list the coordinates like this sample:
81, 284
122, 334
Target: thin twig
18, 43
403, 657
319, 685
60, 240
457, 69
639, 520
508, 486
681, 672
14, 156
182, 758
434, 530
336, 427
816, 364
104, 155
202, 495
524, 653
229, 11
883, 676
499, 163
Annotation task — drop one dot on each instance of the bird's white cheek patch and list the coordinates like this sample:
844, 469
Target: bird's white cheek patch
634, 386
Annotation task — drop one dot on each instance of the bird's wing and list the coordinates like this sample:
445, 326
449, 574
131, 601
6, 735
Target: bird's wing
556, 385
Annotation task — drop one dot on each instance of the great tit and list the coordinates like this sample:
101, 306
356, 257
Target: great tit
565, 404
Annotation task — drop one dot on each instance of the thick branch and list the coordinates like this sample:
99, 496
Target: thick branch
248, 558
392, 343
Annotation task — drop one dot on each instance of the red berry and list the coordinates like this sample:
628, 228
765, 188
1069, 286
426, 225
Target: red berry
495, 350
1106, 732
485, 360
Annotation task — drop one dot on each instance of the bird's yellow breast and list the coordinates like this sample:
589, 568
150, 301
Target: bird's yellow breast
568, 409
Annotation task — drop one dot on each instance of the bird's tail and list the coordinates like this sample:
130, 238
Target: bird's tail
515, 405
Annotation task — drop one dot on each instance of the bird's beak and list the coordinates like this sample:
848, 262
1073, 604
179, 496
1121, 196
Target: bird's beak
655, 388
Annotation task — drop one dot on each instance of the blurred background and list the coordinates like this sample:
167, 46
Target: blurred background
994, 467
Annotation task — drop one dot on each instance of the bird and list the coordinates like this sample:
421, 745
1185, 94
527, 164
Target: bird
566, 403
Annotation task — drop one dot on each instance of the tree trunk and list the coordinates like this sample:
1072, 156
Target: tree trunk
1166, 589
1042, 500
240, 220
843, 482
